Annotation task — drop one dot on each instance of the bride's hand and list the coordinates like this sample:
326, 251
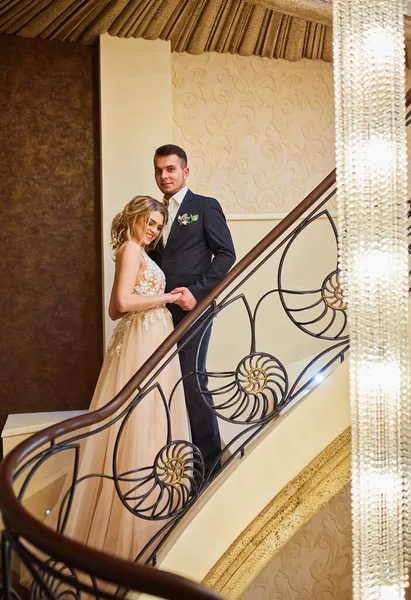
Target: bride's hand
172, 298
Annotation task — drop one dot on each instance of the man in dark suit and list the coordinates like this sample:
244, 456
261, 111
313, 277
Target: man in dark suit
196, 251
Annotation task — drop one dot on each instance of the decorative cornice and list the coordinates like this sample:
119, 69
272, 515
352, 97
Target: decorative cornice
291, 509
317, 11
288, 29
269, 28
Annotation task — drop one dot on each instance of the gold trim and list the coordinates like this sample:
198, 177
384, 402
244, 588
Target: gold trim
173, 471
333, 295
290, 510
257, 380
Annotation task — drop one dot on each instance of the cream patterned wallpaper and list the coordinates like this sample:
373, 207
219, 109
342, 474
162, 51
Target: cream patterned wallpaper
259, 133
316, 563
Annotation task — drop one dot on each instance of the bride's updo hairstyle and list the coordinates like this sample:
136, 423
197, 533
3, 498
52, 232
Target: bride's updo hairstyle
123, 225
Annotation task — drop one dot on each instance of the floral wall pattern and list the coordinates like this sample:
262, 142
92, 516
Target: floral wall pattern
316, 563
259, 133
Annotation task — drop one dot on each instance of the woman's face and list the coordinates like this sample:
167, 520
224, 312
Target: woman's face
146, 234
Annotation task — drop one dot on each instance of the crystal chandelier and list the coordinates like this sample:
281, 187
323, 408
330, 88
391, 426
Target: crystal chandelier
369, 78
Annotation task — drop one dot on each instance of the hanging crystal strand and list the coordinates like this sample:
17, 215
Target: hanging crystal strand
369, 77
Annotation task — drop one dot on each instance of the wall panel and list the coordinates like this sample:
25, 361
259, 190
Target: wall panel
50, 267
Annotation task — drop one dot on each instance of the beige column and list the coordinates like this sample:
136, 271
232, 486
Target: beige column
136, 118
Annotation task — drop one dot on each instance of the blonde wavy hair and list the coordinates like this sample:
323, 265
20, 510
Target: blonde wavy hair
124, 223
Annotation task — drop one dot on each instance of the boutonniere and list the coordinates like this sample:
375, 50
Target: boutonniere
187, 219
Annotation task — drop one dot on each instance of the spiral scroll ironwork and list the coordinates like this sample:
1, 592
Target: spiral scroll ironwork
258, 384
166, 488
319, 311
331, 292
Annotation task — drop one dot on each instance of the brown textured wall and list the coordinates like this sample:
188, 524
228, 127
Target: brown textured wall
50, 273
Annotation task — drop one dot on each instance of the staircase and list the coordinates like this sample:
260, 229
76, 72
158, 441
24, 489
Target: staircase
275, 454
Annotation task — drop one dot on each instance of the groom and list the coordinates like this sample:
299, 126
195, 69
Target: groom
195, 252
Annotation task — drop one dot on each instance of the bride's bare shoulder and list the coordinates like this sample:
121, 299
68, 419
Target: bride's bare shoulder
129, 252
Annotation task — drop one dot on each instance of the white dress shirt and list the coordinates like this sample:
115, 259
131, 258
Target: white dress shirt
173, 207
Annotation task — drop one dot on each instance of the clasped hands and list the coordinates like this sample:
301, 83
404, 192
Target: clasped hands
186, 301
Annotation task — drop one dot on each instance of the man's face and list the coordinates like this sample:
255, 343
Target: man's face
170, 174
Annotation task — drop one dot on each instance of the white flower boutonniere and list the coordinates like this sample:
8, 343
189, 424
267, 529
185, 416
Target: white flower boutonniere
186, 219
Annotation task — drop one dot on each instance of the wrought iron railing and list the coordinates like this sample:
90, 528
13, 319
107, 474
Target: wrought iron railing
247, 394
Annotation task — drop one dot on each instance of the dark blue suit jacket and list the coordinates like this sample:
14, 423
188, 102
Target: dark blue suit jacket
199, 254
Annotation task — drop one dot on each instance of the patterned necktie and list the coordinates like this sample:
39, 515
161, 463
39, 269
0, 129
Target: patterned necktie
172, 206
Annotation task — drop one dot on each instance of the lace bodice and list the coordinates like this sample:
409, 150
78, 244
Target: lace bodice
152, 280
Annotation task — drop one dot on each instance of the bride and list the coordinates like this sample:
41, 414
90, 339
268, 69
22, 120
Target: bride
98, 517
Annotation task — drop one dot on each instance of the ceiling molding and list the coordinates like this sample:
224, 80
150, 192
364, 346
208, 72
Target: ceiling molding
317, 11
244, 27
288, 29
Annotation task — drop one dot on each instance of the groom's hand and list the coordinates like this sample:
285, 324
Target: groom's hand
187, 300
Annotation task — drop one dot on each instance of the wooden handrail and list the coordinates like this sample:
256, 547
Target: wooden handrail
104, 566
124, 573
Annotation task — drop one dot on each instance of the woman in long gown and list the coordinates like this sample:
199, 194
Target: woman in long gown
98, 517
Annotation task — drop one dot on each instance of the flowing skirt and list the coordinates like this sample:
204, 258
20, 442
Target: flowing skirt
98, 517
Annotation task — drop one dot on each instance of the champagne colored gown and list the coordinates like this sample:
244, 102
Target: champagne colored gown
98, 517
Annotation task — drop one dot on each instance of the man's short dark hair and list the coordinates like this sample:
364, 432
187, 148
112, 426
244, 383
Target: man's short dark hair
168, 149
